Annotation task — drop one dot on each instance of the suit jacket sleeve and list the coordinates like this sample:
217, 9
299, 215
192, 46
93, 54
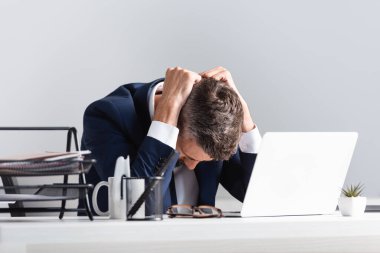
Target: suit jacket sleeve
108, 133
236, 173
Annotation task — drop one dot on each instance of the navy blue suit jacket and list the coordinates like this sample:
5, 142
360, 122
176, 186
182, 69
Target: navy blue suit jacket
117, 125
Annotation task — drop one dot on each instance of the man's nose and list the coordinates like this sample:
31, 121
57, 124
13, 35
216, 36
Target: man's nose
191, 164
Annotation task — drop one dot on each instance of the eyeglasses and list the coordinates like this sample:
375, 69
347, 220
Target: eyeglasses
188, 211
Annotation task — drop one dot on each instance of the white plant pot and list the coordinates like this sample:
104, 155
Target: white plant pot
352, 206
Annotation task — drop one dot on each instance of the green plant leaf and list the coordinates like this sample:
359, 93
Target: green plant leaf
353, 190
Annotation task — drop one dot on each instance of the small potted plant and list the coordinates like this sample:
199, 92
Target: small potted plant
351, 203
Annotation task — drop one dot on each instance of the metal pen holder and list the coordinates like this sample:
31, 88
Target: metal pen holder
147, 191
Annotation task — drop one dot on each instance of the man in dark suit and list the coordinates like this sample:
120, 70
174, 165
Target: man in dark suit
202, 116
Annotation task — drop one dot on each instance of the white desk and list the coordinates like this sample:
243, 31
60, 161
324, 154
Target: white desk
305, 234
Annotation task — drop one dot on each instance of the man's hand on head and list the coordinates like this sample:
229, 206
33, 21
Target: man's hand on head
222, 74
177, 87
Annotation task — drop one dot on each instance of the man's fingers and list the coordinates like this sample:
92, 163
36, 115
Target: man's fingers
193, 76
212, 72
220, 76
178, 73
197, 77
169, 70
173, 69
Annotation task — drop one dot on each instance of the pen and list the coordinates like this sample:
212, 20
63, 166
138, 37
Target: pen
160, 173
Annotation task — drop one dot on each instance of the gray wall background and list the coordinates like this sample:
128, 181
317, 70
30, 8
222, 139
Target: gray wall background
301, 65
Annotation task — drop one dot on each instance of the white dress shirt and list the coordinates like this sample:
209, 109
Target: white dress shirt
186, 183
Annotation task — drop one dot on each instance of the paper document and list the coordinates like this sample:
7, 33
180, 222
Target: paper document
44, 156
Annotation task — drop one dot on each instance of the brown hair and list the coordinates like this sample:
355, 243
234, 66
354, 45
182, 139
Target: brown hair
213, 115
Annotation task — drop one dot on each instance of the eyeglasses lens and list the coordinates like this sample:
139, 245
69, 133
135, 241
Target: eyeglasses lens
182, 210
208, 211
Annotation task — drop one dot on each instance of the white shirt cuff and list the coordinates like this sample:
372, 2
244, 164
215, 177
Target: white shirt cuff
163, 132
250, 141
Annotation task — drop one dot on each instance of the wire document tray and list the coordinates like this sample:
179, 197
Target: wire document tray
48, 192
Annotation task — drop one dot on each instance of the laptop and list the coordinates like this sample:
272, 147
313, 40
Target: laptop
298, 173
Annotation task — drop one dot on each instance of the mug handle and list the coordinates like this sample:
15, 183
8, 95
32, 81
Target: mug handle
95, 199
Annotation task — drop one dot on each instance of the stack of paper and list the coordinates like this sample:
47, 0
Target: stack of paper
45, 156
